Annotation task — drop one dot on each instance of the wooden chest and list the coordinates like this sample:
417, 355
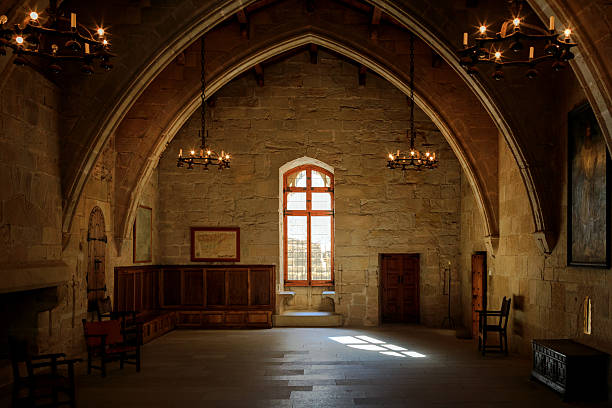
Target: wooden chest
576, 371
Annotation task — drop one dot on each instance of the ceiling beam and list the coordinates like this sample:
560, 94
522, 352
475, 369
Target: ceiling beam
436, 59
244, 23
310, 6
375, 23
259, 74
314, 53
362, 75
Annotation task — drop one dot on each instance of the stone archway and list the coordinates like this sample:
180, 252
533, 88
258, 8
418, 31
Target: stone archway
412, 16
483, 186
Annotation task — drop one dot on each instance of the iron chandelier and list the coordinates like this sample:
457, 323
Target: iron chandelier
54, 35
530, 46
414, 159
206, 157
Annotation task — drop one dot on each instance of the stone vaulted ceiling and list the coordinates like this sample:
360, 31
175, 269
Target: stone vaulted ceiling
150, 35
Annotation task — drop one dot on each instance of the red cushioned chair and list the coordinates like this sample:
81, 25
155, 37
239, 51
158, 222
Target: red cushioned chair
105, 340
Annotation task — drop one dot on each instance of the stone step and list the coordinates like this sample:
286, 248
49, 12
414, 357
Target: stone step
307, 318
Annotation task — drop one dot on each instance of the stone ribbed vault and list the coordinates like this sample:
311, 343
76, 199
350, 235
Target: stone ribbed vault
96, 110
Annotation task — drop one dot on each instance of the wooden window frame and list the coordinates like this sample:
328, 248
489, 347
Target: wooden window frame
308, 212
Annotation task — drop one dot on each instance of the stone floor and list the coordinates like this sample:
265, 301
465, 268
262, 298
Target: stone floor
317, 367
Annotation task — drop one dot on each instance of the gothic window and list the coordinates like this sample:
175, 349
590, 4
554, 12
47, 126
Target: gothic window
308, 208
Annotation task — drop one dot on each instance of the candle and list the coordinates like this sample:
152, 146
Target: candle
465, 39
72, 20
551, 24
531, 50
180, 152
86, 48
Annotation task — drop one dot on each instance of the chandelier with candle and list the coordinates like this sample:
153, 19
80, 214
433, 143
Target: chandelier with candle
54, 36
413, 159
516, 44
205, 156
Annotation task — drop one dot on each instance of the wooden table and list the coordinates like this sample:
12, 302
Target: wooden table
576, 371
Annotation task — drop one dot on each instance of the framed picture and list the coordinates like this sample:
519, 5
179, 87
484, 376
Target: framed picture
588, 194
210, 244
143, 231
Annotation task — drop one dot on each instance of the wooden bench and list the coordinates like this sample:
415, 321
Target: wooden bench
196, 296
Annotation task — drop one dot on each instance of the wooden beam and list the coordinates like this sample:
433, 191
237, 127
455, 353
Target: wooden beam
375, 23
436, 59
310, 6
259, 74
244, 23
362, 75
314, 53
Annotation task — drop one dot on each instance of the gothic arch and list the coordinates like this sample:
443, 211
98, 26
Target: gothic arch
486, 202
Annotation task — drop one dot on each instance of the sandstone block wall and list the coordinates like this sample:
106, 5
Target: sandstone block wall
547, 294
319, 111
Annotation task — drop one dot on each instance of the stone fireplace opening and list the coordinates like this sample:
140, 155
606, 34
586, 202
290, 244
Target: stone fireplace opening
19, 315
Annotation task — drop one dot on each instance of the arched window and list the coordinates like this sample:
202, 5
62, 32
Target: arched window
308, 225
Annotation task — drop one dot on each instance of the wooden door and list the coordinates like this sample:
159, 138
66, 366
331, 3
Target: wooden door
479, 287
96, 258
400, 287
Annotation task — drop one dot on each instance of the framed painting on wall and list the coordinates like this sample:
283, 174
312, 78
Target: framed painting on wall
213, 244
143, 231
588, 193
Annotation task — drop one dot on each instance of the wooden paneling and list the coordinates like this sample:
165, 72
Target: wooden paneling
238, 287
206, 296
260, 287
193, 288
215, 287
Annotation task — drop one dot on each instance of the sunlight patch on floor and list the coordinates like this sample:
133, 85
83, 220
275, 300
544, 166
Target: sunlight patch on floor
372, 344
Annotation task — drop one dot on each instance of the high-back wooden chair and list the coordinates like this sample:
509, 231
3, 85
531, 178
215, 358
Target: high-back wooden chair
37, 382
500, 327
105, 340
104, 308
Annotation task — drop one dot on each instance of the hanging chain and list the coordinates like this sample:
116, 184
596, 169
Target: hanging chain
412, 135
202, 95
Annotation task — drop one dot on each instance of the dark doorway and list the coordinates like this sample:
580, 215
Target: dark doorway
479, 287
96, 258
400, 288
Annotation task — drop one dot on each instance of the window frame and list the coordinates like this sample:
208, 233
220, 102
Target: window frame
308, 212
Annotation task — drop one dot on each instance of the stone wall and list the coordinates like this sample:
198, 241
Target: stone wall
319, 111
547, 294
472, 240
33, 255
30, 193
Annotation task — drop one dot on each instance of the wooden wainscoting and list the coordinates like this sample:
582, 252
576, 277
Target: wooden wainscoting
203, 296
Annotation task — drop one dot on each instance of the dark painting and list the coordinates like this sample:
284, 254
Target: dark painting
588, 192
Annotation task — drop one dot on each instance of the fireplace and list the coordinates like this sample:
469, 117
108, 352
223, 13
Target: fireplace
25, 291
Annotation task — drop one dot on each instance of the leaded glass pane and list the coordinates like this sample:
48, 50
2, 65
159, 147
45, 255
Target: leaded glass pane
296, 201
297, 247
297, 179
320, 179
321, 201
320, 247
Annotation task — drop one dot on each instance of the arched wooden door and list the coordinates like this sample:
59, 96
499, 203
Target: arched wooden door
96, 258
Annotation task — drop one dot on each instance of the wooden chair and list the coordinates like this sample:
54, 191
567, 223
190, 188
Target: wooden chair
104, 308
36, 379
501, 327
106, 340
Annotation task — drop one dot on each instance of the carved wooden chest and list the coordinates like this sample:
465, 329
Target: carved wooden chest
576, 371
